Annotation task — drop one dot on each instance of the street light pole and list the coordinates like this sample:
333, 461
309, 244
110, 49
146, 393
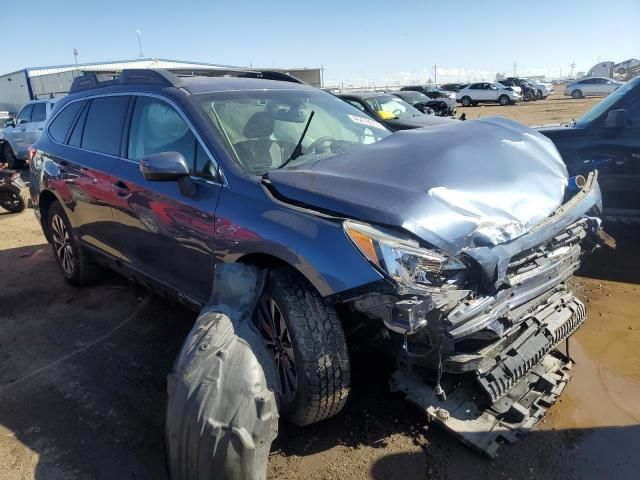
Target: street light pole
140, 42
435, 74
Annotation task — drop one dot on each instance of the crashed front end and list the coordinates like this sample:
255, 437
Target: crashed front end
478, 332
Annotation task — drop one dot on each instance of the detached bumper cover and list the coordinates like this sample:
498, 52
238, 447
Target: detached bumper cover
486, 429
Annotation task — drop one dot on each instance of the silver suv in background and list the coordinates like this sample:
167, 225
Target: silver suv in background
20, 133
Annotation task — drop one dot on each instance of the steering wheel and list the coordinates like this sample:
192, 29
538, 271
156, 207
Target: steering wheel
317, 143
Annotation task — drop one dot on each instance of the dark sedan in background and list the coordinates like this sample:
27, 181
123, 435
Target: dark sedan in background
391, 111
442, 107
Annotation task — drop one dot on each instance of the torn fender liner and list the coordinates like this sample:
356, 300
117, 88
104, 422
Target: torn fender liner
486, 429
221, 414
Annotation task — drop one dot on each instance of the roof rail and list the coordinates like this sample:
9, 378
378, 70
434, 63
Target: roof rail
132, 76
238, 72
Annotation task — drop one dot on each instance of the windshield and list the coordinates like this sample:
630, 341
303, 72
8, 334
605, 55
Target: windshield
413, 97
388, 106
261, 128
607, 102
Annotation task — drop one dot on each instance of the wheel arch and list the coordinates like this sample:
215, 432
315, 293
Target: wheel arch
45, 200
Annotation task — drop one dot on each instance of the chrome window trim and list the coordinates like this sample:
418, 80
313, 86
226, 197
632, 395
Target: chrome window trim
168, 100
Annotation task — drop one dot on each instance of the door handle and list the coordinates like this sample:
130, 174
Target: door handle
40, 129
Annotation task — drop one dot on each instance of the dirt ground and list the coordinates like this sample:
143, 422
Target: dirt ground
82, 379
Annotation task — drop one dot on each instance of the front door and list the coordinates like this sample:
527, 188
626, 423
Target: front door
164, 233
17, 135
617, 155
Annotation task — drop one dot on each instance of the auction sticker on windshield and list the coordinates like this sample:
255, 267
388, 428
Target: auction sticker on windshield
366, 121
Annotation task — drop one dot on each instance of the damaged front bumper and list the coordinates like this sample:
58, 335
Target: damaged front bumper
482, 360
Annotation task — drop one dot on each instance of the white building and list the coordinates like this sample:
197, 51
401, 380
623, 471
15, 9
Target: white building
17, 88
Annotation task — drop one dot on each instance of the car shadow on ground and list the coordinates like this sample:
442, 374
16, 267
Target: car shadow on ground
82, 372
591, 453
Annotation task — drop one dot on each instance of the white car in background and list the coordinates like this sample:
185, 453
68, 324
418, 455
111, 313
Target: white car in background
594, 86
487, 92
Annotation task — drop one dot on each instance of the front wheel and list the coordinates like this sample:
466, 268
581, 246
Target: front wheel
466, 101
72, 259
576, 94
305, 337
503, 100
527, 97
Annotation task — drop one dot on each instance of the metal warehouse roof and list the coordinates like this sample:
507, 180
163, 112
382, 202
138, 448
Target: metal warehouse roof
122, 64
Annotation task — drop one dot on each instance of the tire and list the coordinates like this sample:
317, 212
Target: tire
314, 385
503, 100
11, 199
73, 261
527, 97
466, 101
538, 94
576, 94
10, 157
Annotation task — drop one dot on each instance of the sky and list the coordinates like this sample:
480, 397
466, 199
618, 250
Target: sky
356, 42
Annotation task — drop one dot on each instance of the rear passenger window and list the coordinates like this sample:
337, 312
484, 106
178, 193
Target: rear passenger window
157, 127
104, 125
76, 136
63, 121
39, 112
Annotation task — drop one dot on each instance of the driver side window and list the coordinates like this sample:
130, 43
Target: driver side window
157, 127
25, 114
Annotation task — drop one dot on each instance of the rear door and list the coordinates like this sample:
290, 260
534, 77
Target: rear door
164, 234
92, 147
38, 119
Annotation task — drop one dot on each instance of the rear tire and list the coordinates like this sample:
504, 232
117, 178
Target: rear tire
314, 384
503, 100
576, 94
73, 261
466, 101
527, 97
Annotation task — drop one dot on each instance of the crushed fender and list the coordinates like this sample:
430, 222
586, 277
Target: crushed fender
221, 414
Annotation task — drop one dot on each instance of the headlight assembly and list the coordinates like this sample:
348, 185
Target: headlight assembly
415, 269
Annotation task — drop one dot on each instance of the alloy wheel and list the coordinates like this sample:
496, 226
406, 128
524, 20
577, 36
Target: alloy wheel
62, 244
271, 324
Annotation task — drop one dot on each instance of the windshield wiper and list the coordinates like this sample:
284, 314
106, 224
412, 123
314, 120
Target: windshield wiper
297, 151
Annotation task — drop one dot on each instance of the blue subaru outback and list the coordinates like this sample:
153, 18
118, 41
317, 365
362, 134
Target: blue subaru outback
450, 245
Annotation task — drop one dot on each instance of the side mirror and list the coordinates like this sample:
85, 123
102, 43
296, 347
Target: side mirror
164, 167
167, 167
616, 119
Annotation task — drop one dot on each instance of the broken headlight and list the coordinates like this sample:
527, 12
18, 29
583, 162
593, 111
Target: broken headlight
413, 268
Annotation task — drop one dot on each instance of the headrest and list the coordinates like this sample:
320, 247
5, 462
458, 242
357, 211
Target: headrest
260, 125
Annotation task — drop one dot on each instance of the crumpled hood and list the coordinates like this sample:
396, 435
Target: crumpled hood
466, 184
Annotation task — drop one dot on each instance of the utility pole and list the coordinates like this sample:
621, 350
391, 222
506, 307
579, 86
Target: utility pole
140, 42
435, 74
75, 54
515, 72
573, 65
560, 72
